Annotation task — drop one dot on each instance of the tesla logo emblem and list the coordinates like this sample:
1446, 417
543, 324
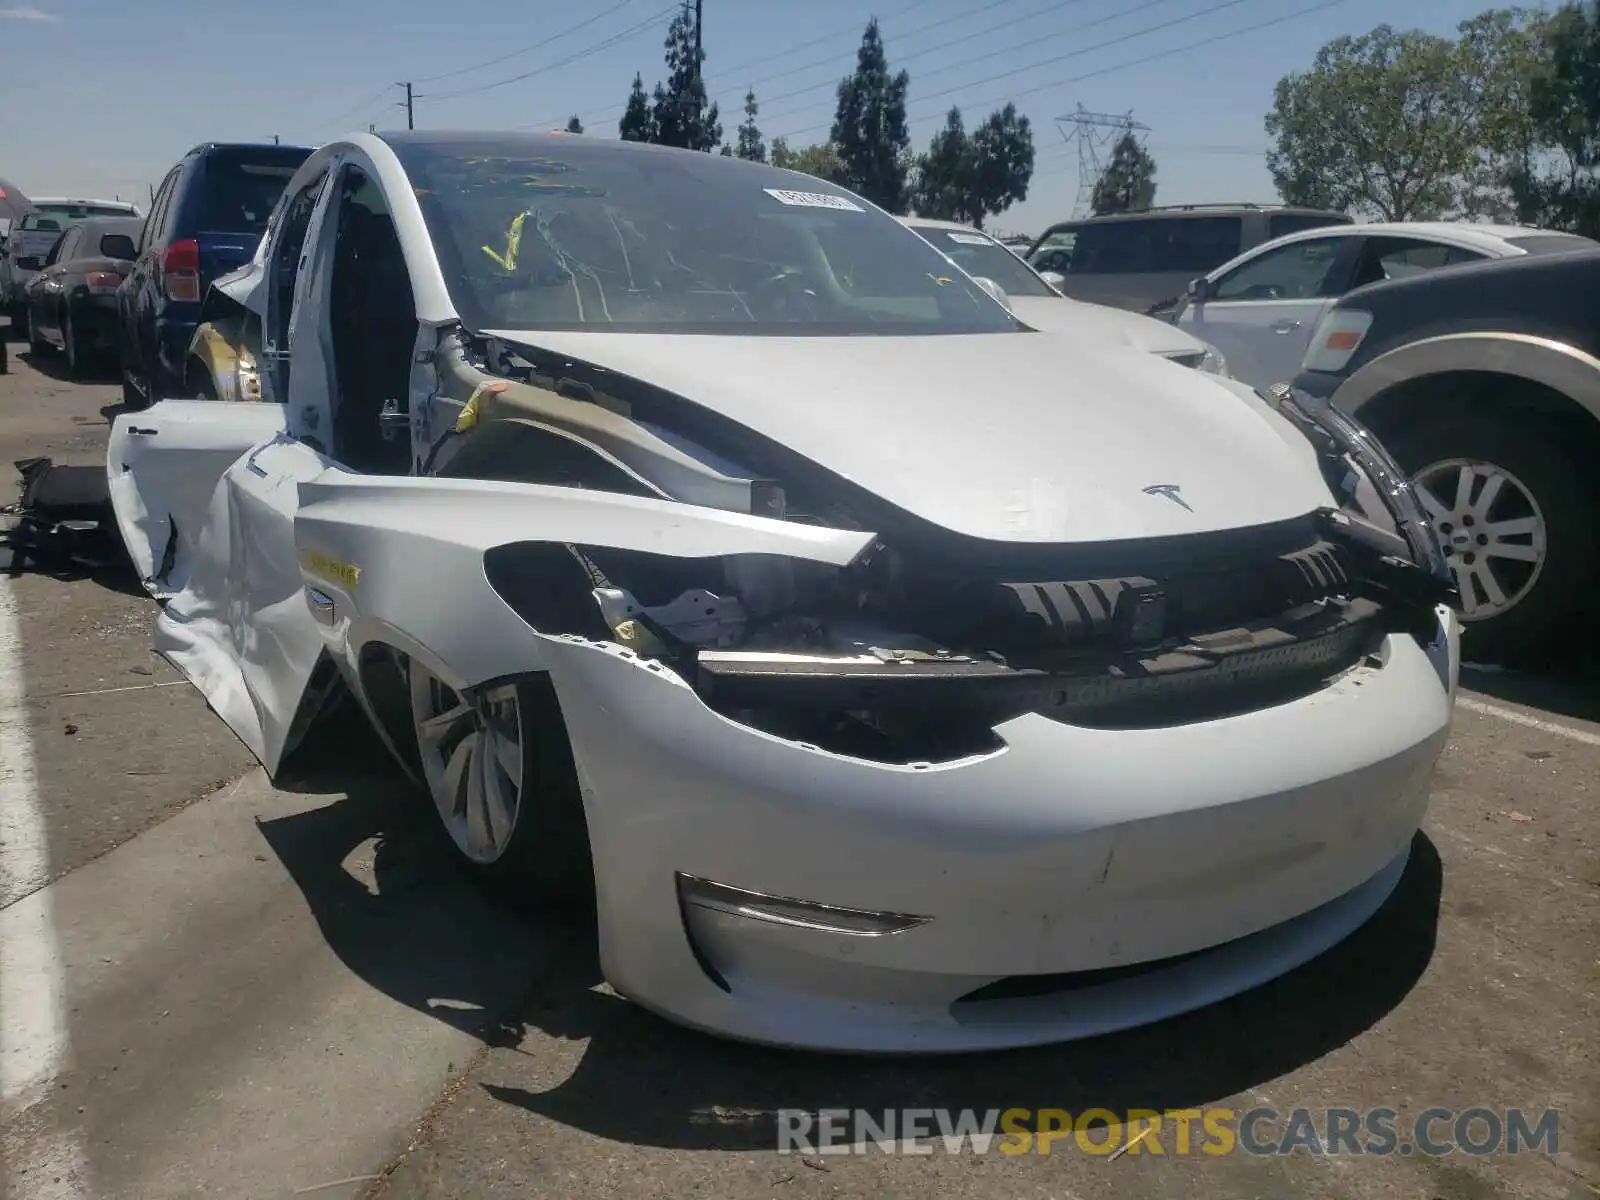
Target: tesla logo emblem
1168, 490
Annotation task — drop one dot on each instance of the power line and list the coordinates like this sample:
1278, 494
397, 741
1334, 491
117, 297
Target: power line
562, 62
833, 60
539, 45
364, 105
1060, 33
827, 37
1056, 83
617, 109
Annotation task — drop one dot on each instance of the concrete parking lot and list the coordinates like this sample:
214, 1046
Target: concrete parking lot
213, 986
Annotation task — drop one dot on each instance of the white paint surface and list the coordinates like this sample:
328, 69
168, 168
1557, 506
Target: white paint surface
33, 1027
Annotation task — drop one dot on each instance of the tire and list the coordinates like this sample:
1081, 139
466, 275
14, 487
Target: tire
132, 398
542, 852
1534, 538
36, 345
200, 385
69, 345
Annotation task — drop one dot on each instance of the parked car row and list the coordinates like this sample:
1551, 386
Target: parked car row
1255, 287
131, 288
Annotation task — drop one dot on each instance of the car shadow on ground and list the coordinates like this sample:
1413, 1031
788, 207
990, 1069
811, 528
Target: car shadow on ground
53, 365
1571, 693
429, 938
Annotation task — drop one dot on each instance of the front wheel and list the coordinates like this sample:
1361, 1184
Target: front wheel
37, 346
1516, 517
69, 343
498, 767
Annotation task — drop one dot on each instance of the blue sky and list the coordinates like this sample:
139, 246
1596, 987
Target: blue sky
100, 98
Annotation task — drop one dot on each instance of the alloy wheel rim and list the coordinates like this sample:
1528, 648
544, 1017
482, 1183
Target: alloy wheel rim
1492, 530
471, 750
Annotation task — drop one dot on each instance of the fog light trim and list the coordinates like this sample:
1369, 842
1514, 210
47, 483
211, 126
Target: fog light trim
786, 910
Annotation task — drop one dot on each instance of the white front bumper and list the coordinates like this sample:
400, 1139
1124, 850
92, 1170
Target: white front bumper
1072, 849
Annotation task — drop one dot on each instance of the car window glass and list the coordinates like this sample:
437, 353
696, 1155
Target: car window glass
1282, 224
241, 188
116, 245
39, 223
286, 253
1298, 271
1165, 245
1385, 258
67, 248
158, 211
587, 233
982, 257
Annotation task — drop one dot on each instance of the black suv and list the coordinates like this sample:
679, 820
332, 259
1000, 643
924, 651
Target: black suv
206, 220
1484, 382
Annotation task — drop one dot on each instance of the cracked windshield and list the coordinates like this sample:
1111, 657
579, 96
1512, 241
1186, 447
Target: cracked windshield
652, 242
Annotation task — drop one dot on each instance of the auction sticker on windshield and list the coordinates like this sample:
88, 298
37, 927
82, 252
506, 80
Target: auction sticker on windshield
812, 200
969, 239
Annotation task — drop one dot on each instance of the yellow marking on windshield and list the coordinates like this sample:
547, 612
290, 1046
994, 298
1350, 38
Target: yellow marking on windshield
513, 242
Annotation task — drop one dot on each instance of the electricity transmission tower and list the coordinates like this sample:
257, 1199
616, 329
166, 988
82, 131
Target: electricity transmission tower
1094, 132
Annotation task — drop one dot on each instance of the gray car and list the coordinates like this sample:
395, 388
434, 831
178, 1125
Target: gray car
31, 238
1143, 261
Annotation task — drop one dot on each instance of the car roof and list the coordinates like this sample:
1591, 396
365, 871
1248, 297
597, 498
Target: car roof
1460, 233
126, 205
935, 223
211, 147
1184, 211
1461, 276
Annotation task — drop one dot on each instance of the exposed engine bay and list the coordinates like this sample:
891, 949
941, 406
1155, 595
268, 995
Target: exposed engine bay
915, 651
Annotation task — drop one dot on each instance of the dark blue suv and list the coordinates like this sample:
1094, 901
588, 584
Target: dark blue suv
206, 220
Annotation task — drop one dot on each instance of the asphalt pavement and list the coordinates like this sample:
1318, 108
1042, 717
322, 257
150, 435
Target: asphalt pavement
211, 986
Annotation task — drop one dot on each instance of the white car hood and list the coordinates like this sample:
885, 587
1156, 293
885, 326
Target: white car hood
1021, 437
1109, 325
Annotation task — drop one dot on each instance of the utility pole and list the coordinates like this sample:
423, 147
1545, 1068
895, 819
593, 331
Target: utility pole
699, 80
275, 139
1094, 132
410, 123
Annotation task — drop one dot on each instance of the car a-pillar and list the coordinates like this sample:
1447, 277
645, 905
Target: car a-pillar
1509, 468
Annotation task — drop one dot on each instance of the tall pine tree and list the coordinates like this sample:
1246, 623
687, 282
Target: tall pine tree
1128, 184
869, 126
638, 124
751, 147
682, 115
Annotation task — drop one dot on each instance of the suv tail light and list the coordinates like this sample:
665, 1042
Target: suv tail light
180, 270
103, 283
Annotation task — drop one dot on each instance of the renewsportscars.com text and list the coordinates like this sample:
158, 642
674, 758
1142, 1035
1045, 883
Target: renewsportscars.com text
1433, 1132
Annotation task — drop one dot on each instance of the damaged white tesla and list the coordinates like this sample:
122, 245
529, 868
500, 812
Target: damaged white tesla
692, 533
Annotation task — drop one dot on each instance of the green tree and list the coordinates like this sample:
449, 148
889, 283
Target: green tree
1002, 163
1557, 185
968, 178
1128, 183
820, 160
1504, 50
941, 182
869, 126
751, 147
638, 123
1385, 123
682, 115
574, 125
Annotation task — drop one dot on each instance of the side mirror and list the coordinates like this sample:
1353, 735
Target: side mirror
1054, 278
994, 289
1199, 290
